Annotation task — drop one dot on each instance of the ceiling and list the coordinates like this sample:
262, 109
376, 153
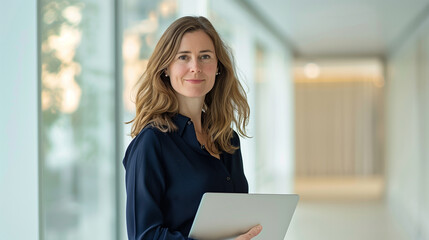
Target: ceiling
341, 28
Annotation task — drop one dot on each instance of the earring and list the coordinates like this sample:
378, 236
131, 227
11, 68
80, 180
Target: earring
217, 73
166, 75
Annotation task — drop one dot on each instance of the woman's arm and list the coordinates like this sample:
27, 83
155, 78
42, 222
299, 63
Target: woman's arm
145, 185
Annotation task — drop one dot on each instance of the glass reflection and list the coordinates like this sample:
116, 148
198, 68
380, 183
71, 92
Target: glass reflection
77, 120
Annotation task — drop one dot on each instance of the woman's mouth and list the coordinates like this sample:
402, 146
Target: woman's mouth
195, 81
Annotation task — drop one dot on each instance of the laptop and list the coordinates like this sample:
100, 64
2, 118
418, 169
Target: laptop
228, 215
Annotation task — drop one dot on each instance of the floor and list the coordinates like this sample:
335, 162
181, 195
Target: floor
343, 220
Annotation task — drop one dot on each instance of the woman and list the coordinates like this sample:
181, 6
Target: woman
183, 143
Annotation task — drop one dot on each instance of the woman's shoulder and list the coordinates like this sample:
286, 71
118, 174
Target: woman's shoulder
148, 135
148, 140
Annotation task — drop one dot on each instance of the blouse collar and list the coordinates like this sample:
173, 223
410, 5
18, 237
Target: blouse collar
181, 122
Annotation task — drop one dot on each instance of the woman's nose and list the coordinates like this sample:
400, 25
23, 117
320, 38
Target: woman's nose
195, 65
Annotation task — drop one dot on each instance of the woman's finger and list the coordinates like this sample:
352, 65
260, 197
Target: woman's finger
251, 233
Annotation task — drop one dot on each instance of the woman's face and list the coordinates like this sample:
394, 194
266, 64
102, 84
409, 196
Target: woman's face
193, 70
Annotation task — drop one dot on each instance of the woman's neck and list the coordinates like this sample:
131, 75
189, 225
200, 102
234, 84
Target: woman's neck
192, 108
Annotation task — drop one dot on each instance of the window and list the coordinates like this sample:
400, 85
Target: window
78, 159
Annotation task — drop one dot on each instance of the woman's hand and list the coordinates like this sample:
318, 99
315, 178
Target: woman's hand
251, 233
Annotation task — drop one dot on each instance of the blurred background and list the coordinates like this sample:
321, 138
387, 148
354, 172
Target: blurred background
339, 97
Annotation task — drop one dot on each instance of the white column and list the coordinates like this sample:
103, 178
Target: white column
18, 121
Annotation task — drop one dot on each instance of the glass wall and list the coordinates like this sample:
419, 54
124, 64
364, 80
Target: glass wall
78, 163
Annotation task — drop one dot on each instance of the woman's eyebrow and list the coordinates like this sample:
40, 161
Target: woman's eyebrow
202, 51
180, 52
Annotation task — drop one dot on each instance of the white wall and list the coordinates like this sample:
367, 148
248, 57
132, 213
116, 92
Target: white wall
407, 145
18, 121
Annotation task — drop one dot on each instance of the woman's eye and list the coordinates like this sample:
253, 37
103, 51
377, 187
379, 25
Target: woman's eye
204, 57
183, 57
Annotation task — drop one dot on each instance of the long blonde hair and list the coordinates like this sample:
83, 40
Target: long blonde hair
224, 105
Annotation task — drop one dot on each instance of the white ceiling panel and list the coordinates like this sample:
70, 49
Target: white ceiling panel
341, 27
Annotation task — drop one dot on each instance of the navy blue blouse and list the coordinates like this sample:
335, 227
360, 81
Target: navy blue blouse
166, 176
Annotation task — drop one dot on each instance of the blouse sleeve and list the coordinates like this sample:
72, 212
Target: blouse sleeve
145, 184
